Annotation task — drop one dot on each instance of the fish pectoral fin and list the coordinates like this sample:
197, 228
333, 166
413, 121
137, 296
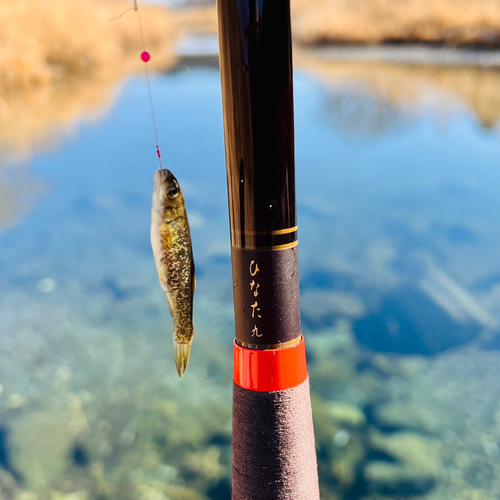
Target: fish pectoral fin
170, 305
194, 283
181, 353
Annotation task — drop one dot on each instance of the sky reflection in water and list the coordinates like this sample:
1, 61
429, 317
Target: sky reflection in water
391, 198
398, 223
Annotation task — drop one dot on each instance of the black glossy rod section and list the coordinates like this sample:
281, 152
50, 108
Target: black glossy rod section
256, 73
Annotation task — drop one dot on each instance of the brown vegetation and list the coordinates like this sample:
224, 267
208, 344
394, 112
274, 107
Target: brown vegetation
60, 59
50, 41
449, 22
199, 20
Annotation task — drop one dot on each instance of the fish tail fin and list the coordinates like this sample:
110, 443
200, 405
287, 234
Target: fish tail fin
181, 353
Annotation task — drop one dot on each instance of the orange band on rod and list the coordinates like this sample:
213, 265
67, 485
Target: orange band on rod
270, 370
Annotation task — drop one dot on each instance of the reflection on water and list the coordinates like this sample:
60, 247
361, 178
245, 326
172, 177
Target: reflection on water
400, 307
358, 113
414, 87
39, 119
19, 193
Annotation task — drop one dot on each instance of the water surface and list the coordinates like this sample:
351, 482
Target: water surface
398, 220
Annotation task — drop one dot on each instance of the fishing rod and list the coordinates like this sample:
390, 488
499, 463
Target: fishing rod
273, 437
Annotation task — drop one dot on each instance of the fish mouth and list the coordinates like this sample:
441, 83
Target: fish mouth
164, 176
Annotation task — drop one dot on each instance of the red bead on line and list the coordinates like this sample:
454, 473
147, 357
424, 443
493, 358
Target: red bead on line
145, 56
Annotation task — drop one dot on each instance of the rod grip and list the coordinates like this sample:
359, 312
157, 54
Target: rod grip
274, 455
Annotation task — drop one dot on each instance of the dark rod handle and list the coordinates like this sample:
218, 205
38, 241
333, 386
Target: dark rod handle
273, 445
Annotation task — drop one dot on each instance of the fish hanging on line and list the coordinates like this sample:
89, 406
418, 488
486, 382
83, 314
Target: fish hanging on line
172, 248
171, 240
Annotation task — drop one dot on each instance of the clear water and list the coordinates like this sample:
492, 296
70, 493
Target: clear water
400, 276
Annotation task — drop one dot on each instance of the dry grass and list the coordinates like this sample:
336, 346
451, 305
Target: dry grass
199, 20
60, 59
450, 22
49, 41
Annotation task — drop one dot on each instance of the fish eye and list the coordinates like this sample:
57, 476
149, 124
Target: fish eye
172, 192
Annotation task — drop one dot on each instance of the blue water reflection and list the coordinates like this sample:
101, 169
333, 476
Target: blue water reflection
399, 238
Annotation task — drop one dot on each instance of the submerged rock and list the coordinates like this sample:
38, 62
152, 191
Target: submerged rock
206, 463
395, 365
150, 492
103, 487
420, 452
8, 486
182, 493
328, 341
41, 444
77, 495
16, 401
27, 495
406, 416
345, 413
406, 464
339, 440
344, 463
395, 479
475, 494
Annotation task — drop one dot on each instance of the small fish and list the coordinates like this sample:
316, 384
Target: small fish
171, 242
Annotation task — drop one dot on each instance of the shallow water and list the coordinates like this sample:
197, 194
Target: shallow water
398, 218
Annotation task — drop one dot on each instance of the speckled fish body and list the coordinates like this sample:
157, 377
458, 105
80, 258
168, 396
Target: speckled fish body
172, 249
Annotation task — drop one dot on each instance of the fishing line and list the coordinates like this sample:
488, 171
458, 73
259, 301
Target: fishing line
145, 57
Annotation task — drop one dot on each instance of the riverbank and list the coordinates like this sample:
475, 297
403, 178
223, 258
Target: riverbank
60, 60
51, 42
450, 23
455, 23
